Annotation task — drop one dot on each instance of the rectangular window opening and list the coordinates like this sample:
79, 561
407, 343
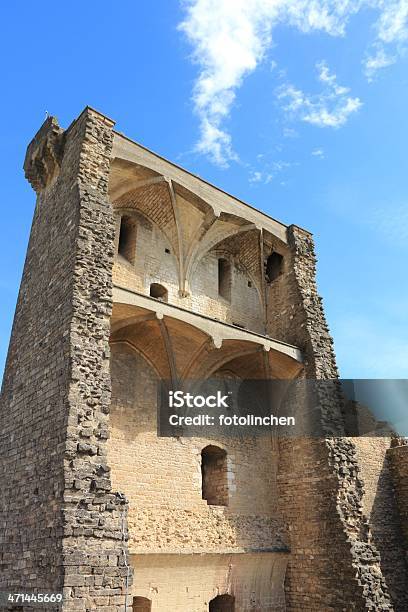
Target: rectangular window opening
274, 266
127, 239
224, 279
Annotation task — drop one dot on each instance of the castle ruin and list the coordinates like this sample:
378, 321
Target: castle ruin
138, 271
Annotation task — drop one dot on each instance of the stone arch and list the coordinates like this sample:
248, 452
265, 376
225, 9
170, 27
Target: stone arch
211, 359
130, 409
159, 292
117, 343
219, 231
153, 199
244, 303
221, 252
246, 248
146, 338
141, 604
222, 603
193, 348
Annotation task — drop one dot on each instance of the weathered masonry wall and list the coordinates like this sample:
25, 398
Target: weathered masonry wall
56, 394
183, 583
162, 477
34, 399
333, 563
398, 458
380, 507
295, 311
155, 262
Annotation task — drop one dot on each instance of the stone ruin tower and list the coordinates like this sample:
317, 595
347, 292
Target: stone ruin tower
138, 271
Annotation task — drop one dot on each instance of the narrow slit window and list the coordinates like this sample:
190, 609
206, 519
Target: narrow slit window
274, 266
159, 292
214, 476
127, 239
224, 279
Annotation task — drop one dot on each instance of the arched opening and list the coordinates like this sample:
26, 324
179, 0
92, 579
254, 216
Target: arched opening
159, 292
141, 604
222, 603
224, 279
127, 239
274, 266
214, 476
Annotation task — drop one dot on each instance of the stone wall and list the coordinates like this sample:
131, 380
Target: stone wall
34, 399
243, 309
398, 458
182, 583
155, 262
216, 477
70, 532
163, 482
333, 564
380, 508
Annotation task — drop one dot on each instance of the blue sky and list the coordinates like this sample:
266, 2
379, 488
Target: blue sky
298, 108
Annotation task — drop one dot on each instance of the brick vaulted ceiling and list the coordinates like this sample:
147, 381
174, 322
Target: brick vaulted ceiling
192, 226
180, 351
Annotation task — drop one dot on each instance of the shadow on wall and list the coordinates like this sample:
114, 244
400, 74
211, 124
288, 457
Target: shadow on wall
131, 373
387, 536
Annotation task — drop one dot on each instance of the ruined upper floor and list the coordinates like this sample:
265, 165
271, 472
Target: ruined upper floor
185, 242
182, 242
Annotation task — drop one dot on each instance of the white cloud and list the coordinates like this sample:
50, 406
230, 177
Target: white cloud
330, 108
255, 176
392, 25
230, 38
318, 153
391, 30
270, 171
375, 62
290, 132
